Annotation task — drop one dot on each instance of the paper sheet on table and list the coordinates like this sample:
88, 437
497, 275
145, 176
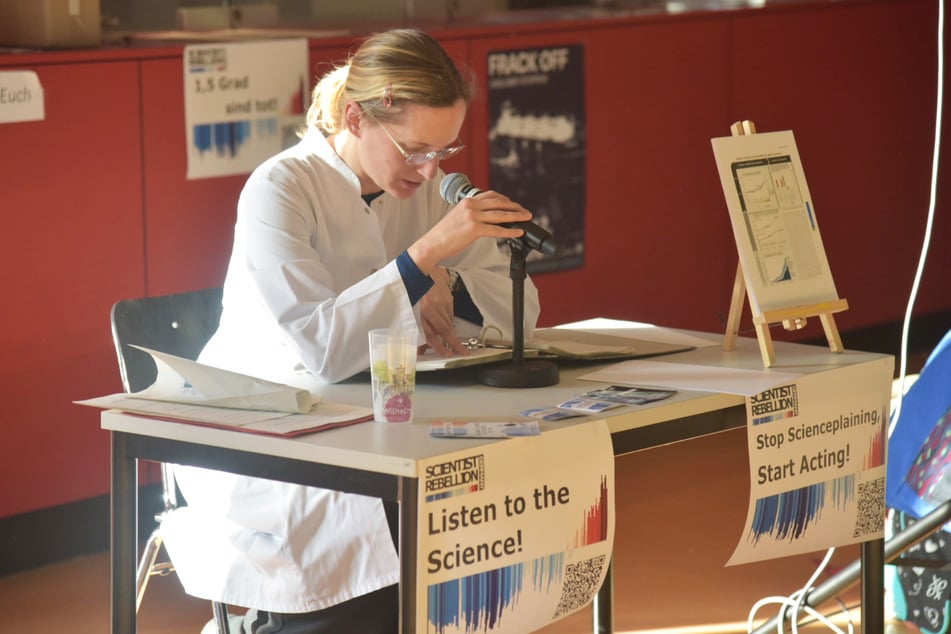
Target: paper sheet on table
684, 376
181, 380
643, 331
324, 415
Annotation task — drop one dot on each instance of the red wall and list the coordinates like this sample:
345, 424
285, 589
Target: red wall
71, 243
96, 206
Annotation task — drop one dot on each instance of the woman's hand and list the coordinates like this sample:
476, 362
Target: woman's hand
436, 313
479, 217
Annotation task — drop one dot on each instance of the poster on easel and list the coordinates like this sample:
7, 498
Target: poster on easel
782, 267
774, 221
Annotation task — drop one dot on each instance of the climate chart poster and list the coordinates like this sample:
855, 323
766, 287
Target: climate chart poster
244, 103
515, 534
774, 221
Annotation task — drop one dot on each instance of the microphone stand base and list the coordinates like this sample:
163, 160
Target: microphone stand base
527, 373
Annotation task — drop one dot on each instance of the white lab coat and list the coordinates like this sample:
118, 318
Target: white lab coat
312, 270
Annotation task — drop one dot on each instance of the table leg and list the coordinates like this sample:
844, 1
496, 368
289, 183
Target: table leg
123, 546
873, 586
603, 612
409, 508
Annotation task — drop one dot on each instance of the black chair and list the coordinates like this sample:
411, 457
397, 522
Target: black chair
179, 324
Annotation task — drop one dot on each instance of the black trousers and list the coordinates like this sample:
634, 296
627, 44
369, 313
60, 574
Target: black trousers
374, 613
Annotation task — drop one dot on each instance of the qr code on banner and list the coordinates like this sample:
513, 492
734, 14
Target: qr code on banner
581, 584
871, 508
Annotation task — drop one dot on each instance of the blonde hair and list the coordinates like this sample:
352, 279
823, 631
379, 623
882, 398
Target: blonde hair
389, 71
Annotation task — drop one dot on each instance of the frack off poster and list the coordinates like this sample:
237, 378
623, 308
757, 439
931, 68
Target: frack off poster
537, 142
515, 534
244, 103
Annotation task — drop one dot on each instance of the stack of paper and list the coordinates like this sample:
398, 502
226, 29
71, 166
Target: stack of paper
191, 392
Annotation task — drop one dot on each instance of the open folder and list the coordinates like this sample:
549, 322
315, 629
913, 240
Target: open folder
566, 343
557, 343
191, 392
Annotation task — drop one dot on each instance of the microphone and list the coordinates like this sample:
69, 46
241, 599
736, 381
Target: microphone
455, 187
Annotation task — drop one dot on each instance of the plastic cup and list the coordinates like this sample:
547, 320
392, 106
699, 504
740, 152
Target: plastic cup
392, 374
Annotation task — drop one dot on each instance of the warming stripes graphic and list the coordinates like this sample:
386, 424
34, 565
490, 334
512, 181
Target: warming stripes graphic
225, 139
478, 602
787, 515
595, 527
875, 456
448, 493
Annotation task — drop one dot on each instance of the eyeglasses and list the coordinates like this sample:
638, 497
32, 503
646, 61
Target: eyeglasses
419, 158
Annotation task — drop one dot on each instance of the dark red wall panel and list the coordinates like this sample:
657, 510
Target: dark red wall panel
71, 245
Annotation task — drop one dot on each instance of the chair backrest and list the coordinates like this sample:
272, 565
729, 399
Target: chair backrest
179, 324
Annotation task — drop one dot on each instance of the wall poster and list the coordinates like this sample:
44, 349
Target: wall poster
537, 142
244, 103
21, 96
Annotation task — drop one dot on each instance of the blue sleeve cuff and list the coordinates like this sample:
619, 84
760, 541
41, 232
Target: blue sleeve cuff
416, 282
464, 307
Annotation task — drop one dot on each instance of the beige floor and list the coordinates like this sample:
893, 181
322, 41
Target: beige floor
672, 541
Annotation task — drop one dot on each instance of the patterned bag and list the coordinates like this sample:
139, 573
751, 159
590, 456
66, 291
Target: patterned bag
920, 593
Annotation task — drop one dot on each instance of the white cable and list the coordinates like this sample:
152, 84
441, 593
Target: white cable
797, 602
926, 241
804, 592
847, 613
787, 602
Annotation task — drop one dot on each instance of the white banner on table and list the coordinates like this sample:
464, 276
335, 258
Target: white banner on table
515, 534
244, 103
817, 462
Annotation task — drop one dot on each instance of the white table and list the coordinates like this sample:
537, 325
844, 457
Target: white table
381, 460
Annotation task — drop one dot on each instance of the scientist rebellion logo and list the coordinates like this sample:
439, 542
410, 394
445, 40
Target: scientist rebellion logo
455, 477
774, 404
207, 60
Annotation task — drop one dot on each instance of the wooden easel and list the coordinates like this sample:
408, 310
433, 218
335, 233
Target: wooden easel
793, 318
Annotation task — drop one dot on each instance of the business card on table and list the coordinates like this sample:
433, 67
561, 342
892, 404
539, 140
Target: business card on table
552, 413
462, 429
571, 408
589, 405
628, 395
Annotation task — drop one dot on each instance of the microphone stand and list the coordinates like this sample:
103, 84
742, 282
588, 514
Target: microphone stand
519, 373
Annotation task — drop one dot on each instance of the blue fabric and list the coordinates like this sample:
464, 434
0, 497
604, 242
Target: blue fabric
920, 593
463, 306
923, 406
416, 282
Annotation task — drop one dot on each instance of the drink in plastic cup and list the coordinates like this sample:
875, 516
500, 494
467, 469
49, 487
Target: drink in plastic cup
392, 374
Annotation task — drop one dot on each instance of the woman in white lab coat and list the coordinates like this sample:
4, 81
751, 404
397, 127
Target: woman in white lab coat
340, 234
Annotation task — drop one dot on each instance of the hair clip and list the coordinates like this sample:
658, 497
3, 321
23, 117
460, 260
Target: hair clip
387, 95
